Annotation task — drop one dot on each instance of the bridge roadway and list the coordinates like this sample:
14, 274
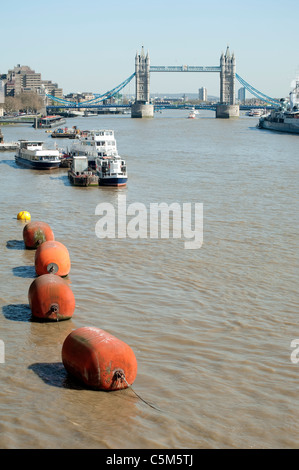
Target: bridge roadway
156, 106
29, 119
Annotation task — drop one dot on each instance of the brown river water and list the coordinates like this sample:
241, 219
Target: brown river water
211, 327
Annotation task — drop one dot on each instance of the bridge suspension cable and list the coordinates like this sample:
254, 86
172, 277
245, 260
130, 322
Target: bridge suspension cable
98, 98
60, 100
256, 92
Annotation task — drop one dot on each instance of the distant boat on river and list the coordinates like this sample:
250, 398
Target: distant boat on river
192, 114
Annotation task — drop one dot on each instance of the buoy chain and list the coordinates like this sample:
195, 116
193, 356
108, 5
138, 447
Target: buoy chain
119, 375
144, 401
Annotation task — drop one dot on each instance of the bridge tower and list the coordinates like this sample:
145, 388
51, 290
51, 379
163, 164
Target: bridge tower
142, 107
227, 107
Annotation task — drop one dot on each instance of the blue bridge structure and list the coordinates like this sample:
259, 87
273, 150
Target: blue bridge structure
142, 107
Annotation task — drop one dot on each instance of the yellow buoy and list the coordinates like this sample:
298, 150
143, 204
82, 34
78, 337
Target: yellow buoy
23, 215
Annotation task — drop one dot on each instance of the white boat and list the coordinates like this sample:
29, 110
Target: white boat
99, 146
286, 117
75, 113
112, 171
32, 154
192, 114
256, 112
9, 145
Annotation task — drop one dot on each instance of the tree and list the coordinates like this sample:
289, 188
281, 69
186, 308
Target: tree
28, 102
11, 104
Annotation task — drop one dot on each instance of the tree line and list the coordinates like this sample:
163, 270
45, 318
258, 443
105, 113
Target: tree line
23, 102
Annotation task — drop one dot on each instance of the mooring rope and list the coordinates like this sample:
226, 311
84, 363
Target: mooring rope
120, 375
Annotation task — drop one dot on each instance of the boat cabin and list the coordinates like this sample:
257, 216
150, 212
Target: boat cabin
31, 144
79, 165
101, 142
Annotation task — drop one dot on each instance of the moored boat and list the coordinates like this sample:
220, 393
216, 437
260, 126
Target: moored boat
47, 122
93, 144
65, 133
99, 146
32, 154
80, 174
9, 145
286, 117
281, 121
112, 171
66, 160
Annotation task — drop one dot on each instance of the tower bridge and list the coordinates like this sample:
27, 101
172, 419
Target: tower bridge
142, 107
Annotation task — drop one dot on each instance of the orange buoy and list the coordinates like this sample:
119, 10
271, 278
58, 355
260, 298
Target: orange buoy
99, 359
52, 257
36, 233
51, 298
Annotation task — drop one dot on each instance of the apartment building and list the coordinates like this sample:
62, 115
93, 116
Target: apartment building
203, 94
22, 79
242, 95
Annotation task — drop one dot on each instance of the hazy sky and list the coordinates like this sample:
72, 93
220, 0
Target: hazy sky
90, 45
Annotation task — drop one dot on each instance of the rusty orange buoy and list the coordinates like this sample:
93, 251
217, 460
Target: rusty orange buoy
52, 257
51, 298
36, 233
98, 359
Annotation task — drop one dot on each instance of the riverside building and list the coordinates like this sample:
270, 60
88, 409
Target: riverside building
22, 79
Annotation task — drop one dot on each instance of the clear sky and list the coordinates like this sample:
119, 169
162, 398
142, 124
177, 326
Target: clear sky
90, 45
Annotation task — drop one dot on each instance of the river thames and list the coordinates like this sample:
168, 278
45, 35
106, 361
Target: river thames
211, 327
